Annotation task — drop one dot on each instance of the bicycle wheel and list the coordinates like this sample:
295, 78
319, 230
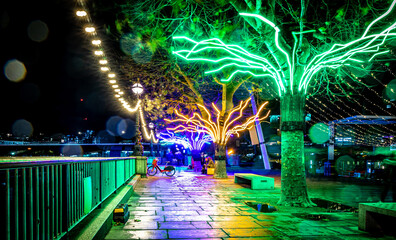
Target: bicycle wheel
151, 171
170, 173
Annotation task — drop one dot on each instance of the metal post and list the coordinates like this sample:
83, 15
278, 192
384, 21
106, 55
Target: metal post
16, 203
260, 135
8, 205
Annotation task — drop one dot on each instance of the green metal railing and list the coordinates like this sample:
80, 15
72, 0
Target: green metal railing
43, 198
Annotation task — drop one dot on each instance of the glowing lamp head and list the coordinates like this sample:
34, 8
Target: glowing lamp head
96, 42
90, 29
103, 61
151, 125
98, 53
81, 13
111, 75
137, 88
104, 69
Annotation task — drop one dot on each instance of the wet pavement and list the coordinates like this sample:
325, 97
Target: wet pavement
194, 206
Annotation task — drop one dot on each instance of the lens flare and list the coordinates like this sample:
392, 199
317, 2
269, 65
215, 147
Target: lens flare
15, 70
38, 31
390, 90
22, 128
319, 133
72, 150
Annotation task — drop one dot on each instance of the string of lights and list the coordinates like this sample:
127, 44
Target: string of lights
220, 131
105, 66
359, 131
322, 117
195, 142
360, 137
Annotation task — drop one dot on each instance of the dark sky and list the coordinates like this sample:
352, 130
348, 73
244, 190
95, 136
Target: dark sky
59, 70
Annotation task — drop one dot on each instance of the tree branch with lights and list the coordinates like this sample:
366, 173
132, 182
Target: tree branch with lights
218, 128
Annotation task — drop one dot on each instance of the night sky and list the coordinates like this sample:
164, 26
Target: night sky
63, 91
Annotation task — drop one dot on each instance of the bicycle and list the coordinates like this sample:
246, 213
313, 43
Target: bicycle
154, 168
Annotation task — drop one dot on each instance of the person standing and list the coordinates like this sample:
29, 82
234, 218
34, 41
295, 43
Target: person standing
390, 178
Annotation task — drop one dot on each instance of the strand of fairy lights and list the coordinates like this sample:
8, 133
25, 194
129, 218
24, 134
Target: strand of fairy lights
347, 114
367, 98
382, 126
359, 137
324, 118
358, 132
104, 64
368, 109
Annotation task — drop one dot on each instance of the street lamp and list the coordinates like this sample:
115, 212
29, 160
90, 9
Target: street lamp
151, 126
137, 89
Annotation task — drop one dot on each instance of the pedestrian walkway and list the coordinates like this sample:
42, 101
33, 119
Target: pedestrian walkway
194, 206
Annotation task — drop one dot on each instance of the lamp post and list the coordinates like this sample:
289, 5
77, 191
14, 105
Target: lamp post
151, 126
137, 89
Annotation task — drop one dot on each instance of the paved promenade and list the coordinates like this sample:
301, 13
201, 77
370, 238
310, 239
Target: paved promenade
194, 206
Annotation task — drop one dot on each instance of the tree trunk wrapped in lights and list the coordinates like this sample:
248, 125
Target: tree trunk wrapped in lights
292, 69
219, 128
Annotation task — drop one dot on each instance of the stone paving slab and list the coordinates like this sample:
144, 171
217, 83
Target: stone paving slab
198, 233
245, 224
137, 234
262, 232
183, 225
188, 218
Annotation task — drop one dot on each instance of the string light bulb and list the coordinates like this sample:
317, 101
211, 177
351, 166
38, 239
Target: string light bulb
81, 13
90, 29
96, 42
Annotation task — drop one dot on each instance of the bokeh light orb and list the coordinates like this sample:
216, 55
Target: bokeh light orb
126, 128
15, 70
112, 125
132, 45
38, 31
22, 128
390, 90
319, 133
344, 164
73, 150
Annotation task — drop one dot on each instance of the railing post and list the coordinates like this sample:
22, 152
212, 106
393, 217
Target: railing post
141, 166
8, 205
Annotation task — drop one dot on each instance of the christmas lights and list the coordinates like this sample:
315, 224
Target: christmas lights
104, 61
220, 131
242, 61
194, 142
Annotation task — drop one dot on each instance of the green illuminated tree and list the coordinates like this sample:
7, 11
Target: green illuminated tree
291, 68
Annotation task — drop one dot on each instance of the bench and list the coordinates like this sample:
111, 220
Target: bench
255, 181
377, 217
